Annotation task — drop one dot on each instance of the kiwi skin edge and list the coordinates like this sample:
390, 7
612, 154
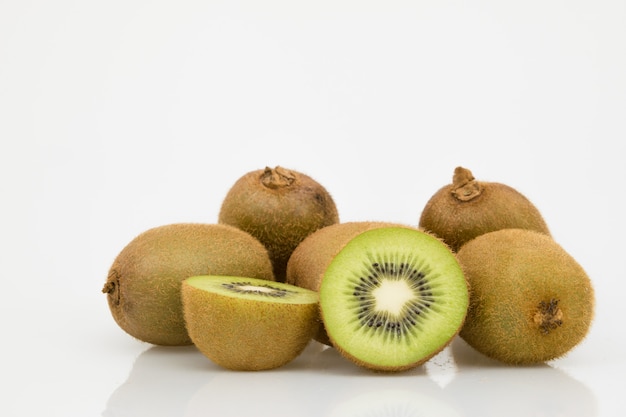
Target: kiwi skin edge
467, 208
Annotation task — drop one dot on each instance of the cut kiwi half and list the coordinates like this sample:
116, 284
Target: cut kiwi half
392, 298
248, 324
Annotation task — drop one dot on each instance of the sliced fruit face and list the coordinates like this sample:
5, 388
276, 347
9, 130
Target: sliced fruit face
253, 289
392, 298
248, 324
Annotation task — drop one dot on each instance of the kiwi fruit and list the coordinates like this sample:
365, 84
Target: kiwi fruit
143, 283
309, 260
531, 301
280, 207
248, 324
467, 208
392, 298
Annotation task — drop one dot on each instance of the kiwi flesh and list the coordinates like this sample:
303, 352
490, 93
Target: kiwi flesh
467, 208
309, 260
248, 324
280, 207
392, 298
531, 301
143, 283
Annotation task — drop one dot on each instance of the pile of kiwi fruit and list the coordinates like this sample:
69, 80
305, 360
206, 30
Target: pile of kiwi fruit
278, 270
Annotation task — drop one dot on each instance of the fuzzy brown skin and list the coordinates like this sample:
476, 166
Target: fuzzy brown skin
467, 208
279, 207
312, 256
143, 284
530, 302
245, 334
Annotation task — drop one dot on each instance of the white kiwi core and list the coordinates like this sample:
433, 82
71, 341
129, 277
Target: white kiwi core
392, 296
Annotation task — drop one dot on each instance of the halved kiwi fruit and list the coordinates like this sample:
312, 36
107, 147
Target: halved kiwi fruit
248, 324
143, 284
280, 207
392, 298
467, 208
531, 301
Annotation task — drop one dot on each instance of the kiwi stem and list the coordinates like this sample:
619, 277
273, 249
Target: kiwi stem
108, 288
464, 185
277, 177
548, 316
111, 287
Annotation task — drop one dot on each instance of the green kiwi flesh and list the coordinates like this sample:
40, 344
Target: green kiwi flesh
248, 324
143, 283
467, 208
392, 298
280, 207
531, 301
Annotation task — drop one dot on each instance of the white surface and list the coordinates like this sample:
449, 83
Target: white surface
119, 116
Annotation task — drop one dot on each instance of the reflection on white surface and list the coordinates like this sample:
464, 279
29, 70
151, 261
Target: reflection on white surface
458, 382
488, 388
395, 402
323, 384
160, 383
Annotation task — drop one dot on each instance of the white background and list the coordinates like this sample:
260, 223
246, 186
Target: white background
118, 116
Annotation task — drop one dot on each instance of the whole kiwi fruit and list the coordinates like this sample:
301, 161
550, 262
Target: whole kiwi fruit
466, 208
248, 324
531, 301
309, 260
280, 207
144, 281
392, 298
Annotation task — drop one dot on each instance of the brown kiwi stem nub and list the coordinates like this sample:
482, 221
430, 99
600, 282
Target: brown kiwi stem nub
464, 185
548, 316
108, 288
111, 287
277, 177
